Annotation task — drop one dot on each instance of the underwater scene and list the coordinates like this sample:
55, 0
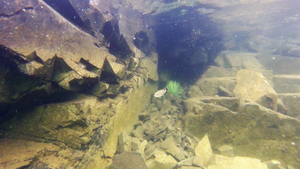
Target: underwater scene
149, 84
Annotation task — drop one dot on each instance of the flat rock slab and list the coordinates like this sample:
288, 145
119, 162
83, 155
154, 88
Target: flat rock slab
218, 71
280, 64
37, 27
287, 88
209, 86
292, 79
237, 163
128, 160
291, 102
232, 103
240, 60
287, 83
19, 153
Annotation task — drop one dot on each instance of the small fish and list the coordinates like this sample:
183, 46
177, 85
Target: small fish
160, 93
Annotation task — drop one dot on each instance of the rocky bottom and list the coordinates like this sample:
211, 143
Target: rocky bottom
161, 139
28, 154
161, 143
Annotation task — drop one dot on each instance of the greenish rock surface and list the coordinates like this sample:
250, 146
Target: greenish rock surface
236, 163
128, 160
292, 103
231, 103
253, 86
122, 115
253, 130
71, 122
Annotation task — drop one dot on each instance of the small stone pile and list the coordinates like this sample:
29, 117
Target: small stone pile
162, 144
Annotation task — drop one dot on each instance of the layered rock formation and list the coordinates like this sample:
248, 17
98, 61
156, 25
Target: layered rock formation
81, 74
63, 83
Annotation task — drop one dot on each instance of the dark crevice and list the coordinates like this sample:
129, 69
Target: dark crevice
115, 41
65, 8
141, 41
109, 31
88, 66
11, 57
109, 78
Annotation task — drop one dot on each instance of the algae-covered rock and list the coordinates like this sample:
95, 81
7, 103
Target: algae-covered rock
124, 143
71, 122
292, 103
253, 131
128, 160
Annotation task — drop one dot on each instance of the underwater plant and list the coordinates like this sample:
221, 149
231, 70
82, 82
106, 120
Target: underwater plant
174, 88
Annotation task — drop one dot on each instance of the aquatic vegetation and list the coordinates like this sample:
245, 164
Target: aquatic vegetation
174, 88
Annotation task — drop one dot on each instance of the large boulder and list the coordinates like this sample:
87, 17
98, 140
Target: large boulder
253, 86
38, 43
49, 35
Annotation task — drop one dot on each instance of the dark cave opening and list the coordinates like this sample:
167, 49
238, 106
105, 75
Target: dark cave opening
187, 43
